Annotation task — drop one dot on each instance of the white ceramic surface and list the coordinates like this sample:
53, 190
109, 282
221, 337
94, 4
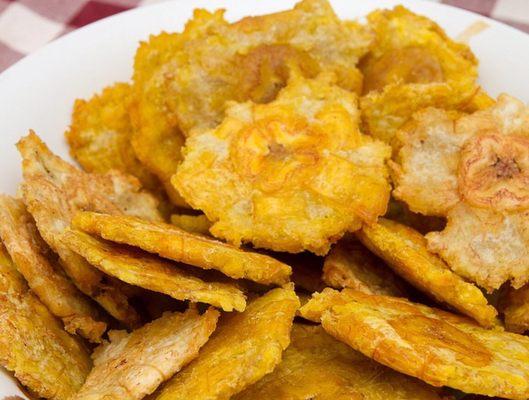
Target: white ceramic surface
38, 92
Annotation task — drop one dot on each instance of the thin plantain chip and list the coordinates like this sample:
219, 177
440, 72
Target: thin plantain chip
192, 223
153, 273
405, 250
437, 347
413, 65
54, 191
33, 343
317, 366
350, 264
173, 243
132, 365
243, 349
41, 269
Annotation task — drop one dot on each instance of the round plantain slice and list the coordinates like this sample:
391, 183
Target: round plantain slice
132, 365
291, 175
405, 250
437, 347
245, 347
153, 273
413, 65
350, 264
173, 243
33, 343
317, 366
41, 269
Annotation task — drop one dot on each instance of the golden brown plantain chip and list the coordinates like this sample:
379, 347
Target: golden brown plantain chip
291, 175
350, 264
132, 365
405, 250
192, 223
515, 307
33, 344
245, 347
413, 65
152, 273
41, 269
54, 191
317, 366
437, 347
100, 133
173, 243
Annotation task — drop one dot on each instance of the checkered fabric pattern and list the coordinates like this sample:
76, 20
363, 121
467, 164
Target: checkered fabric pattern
26, 25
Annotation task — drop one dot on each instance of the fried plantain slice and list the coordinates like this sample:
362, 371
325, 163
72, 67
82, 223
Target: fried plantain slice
485, 246
350, 264
413, 65
54, 191
291, 175
152, 273
437, 347
405, 250
425, 169
41, 269
132, 365
245, 347
515, 306
192, 223
33, 344
100, 133
173, 243
317, 366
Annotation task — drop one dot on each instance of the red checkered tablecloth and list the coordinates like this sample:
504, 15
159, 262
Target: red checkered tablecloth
26, 25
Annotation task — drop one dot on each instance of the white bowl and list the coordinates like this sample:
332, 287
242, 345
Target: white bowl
38, 91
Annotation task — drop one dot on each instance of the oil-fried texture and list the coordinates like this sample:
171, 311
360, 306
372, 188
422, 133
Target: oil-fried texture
33, 344
153, 273
245, 347
192, 223
484, 246
473, 169
317, 366
425, 169
320, 302
350, 264
41, 269
54, 191
291, 175
176, 244
133, 365
435, 346
405, 250
100, 133
412, 66
515, 307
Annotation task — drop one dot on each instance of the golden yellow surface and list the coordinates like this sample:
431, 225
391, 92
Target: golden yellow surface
100, 133
245, 347
437, 347
33, 344
41, 269
405, 250
176, 244
515, 307
350, 264
153, 273
54, 191
317, 366
474, 170
192, 223
291, 175
132, 365
413, 65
